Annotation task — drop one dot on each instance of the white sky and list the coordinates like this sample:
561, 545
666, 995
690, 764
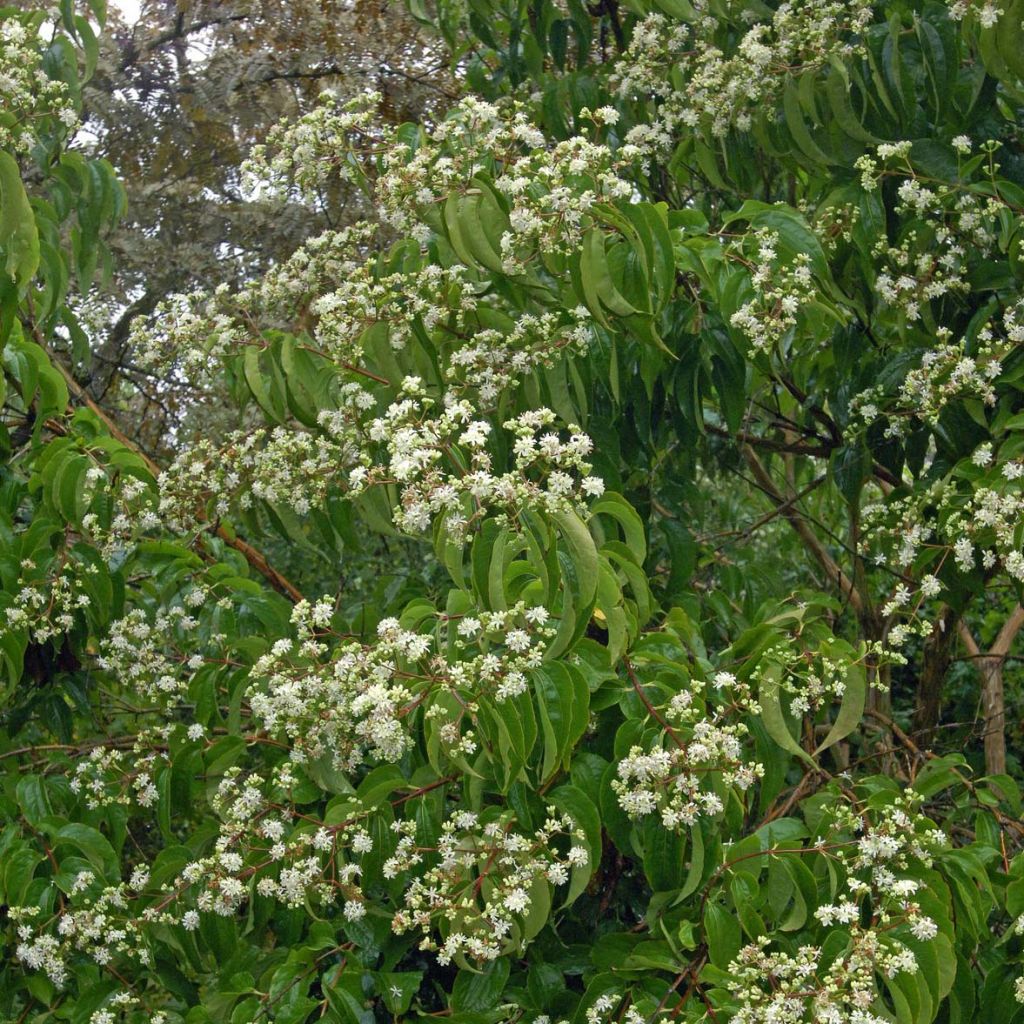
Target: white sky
129, 9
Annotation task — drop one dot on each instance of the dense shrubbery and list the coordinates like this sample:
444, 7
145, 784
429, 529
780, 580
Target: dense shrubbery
605, 608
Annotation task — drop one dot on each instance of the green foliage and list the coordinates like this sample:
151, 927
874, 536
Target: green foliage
669, 746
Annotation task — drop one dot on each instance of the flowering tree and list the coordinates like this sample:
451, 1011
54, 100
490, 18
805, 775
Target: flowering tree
423, 693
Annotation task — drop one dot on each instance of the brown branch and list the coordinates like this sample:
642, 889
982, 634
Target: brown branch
821, 451
818, 413
803, 531
774, 513
651, 709
1008, 633
174, 35
993, 699
968, 639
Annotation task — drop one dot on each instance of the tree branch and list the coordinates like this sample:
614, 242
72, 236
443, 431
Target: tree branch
804, 532
819, 451
175, 34
1012, 626
968, 639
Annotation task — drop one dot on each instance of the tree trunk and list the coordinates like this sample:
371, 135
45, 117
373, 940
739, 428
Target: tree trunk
938, 653
993, 702
993, 706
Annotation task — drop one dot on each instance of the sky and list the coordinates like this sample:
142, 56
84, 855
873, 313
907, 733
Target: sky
128, 8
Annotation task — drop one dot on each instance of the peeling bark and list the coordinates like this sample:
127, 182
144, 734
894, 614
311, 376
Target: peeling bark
993, 702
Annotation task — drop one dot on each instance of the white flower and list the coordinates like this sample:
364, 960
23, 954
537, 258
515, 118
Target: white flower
354, 910
517, 901
578, 856
517, 640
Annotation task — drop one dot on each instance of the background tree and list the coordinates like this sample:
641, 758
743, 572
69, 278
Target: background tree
178, 98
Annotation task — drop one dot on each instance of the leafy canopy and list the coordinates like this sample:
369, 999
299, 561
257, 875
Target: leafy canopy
569, 630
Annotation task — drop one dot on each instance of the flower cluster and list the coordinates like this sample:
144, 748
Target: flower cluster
110, 776
780, 289
601, 1012
537, 201
970, 520
188, 335
352, 701
605, 1009
847, 988
949, 371
549, 189
773, 985
291, 468
27, 91
493, 360
329, 287
439, 459
349, 702
260, 852
697, 85
812, 677
147, 653
483, 879
705, 754
50, 596
950, 226
987, 12
474, 884
307, 154
549, 473
49, 599
431, 444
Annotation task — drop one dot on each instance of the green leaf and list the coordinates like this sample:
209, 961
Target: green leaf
480, 990
837, 89
598, 288
33, 799
851, 710
574, 802
798, 127
260, 383
795, 235
379, 784
850, 466
772, 717
584, 555
563, 700
615, 506
398, 988
18, 234
723, 934
93, 846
